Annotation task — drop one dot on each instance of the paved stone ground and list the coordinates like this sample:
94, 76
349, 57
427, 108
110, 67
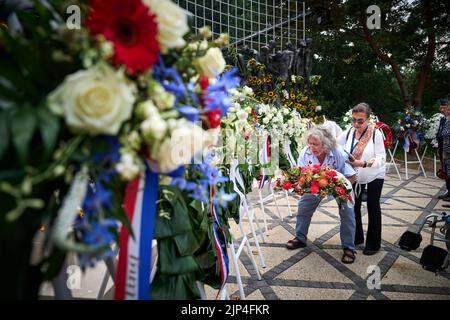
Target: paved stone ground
316, 272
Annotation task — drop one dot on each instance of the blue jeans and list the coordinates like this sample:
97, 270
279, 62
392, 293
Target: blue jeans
307, 206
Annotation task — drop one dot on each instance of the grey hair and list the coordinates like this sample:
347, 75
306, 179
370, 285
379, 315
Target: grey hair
324, 135
362, 108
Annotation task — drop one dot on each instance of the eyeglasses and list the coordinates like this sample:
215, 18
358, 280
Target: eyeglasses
358, 121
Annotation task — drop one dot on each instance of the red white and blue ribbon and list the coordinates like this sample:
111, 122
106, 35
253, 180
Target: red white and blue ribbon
265, 159
414, 137
134, 266
220, 245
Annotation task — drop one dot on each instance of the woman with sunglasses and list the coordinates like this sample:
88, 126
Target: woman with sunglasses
367, 155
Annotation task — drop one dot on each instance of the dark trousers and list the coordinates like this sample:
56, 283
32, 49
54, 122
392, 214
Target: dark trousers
440, 153
373, 240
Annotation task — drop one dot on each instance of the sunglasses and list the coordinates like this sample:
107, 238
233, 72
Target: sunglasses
358, 121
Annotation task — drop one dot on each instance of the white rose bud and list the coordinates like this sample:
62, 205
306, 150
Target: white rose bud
164, 100
223, 39
205, 32
318, 108
147, 109
134, 140
127, 168
154, 128
193, 46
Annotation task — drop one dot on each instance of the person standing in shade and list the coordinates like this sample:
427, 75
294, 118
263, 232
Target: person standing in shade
440, 139
446, 152
367, 155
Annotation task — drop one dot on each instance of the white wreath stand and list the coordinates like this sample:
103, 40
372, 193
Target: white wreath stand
419, 160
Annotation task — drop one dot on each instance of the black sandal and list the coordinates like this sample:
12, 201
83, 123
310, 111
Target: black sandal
348, 253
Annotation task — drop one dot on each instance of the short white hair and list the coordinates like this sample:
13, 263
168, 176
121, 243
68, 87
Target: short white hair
324, 135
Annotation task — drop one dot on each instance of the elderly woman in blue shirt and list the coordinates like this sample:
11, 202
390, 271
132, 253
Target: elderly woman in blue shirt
322, 149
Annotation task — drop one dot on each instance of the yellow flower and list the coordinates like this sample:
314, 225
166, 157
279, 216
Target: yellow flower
292, 95
304, 99
259, 81
271, 93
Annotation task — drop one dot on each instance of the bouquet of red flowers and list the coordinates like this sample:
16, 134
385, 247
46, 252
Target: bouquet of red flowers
316, 180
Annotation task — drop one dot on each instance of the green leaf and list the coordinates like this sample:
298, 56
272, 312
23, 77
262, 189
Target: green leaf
176, 287
49, 128
4, 133
170, 261
23, 127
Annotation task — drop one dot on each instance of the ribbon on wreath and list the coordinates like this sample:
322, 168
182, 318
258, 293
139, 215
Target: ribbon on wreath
413, 139
134, 266
220, 246
265, 159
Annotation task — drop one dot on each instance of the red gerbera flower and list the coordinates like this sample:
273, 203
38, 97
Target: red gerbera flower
131, 27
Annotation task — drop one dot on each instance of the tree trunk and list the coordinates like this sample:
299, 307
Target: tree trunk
389, 60
428, 59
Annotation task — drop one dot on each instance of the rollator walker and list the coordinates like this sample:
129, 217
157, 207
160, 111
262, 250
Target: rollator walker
433, 258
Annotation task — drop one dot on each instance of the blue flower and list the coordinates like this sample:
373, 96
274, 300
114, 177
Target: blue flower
112, 155
221, 198
97, 199
190, 113
170, 80
99, 236
217, 96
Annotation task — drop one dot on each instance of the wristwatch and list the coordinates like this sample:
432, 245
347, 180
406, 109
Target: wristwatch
365, 164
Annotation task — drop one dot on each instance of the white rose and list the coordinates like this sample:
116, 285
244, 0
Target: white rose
95, 101
248, 110
242, 114
127, 167
211, 64
318, 108
172, 23
286, 111
187, 140
266, 120
154, 128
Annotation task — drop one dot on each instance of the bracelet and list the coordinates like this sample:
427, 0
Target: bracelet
365, 164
